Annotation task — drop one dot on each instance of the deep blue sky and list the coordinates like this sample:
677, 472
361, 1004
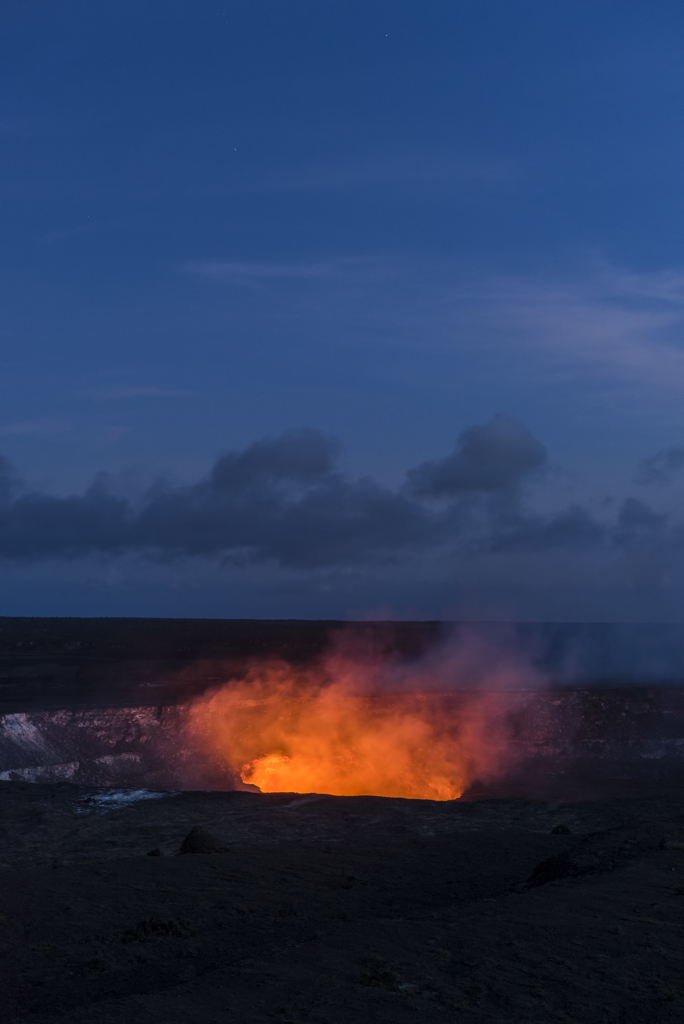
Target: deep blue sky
386, 221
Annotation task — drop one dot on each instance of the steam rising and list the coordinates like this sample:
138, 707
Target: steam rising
362, 722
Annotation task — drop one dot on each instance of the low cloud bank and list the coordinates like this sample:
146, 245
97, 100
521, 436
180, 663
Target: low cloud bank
282, 500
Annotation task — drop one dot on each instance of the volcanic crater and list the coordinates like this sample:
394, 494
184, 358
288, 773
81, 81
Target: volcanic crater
144, 875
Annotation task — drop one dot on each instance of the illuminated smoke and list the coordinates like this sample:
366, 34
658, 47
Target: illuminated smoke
365, 722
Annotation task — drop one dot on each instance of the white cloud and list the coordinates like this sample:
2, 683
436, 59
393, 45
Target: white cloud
616, 328
624, 328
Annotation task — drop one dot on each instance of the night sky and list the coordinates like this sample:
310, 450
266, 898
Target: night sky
342, 309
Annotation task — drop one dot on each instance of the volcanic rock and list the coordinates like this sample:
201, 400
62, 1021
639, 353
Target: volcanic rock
438, 923
200, 840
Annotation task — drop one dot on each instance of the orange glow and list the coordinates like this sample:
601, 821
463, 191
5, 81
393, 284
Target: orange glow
334, 743
318, 731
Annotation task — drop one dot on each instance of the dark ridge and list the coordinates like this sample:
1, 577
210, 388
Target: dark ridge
295, 639
47, 663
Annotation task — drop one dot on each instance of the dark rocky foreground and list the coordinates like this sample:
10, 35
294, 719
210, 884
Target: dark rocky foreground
339, 909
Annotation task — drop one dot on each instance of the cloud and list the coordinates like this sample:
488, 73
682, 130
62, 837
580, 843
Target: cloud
9, 482
34, 428
661, 467
402, 169
621, 327
497, 456
569, 529
282, 501
598, 325
301, 456
253, 273
399, 170
636, 515
134, 391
